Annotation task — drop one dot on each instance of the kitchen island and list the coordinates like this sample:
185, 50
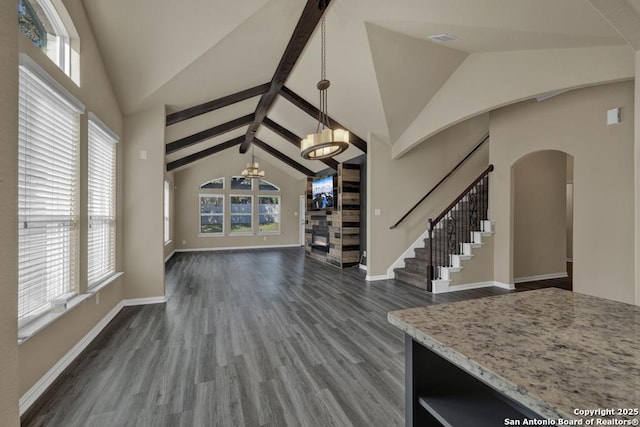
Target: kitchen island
548, 354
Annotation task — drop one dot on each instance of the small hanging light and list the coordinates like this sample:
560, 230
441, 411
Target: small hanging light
325, 142
253, 169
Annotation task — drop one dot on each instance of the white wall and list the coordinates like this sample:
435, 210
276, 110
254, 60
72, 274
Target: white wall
575, 123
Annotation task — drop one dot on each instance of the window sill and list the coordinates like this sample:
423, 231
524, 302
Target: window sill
269, 233
46, 319
211, 235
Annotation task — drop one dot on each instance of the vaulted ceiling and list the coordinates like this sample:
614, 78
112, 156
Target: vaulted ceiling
385, 71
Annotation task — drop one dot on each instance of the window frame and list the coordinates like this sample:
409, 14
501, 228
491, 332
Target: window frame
111, 138
200, 215
63, 42
250, 215
33, 77
167, 211
271, 196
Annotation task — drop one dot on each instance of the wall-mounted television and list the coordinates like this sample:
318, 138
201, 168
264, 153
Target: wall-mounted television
322, 196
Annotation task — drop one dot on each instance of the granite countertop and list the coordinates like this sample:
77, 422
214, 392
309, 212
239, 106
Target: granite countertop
552, 350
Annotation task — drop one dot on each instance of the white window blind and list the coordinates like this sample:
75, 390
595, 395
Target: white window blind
167, 195
101, 248
47, 195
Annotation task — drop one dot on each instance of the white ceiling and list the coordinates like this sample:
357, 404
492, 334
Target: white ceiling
382, 66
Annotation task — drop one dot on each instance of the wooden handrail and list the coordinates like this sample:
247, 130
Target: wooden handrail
460, 163
434, 222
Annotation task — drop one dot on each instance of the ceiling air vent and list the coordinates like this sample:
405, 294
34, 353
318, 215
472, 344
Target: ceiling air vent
443, 37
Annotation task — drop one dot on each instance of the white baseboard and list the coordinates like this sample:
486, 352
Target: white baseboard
409, 253
363, 267
43, 383
467, 286
541, 277
30, 397
369, 278
169, 256
234, 248
509, 286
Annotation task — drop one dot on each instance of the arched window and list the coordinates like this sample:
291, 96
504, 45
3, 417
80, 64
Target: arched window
214, 184
49, 27
268, 186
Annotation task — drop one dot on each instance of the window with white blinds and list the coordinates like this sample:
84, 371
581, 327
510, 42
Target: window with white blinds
167, 195
101, 256
48, 190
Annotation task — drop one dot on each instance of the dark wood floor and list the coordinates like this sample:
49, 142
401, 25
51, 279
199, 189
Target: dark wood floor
255, 338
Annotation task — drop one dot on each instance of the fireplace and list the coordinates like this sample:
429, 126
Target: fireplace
320, 240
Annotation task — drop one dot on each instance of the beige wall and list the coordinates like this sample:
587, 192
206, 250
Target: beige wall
509, 77
9, 391
539, 215
39, 353
394, 186
637, 176
143, 203
575, 123
230, 163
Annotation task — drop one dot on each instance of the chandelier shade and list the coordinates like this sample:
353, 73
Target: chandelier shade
253, 169
326, 143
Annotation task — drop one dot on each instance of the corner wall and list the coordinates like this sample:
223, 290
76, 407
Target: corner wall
574, 123
143, 204
9, 393
394, 186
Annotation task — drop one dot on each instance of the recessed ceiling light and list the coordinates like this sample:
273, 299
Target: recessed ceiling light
443, 37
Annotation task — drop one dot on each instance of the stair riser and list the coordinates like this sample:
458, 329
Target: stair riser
419, 283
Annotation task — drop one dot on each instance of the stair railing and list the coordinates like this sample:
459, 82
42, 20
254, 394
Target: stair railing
444, 178
449, 230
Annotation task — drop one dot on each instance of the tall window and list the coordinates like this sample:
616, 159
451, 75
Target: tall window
269, 210
42, 24
48, 192
211, 214
241, 214
101, 257
167, 224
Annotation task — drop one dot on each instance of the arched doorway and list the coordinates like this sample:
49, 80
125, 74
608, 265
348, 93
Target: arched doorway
543, 219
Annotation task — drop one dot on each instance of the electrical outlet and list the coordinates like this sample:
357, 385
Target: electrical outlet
364, 254
184, 242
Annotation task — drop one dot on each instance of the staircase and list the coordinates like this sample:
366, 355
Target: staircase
452, 238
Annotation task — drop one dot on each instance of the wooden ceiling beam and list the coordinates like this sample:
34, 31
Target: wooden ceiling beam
204, 153
310, 109
208, 133
311, 15
285, 159
207, 107
294, 139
